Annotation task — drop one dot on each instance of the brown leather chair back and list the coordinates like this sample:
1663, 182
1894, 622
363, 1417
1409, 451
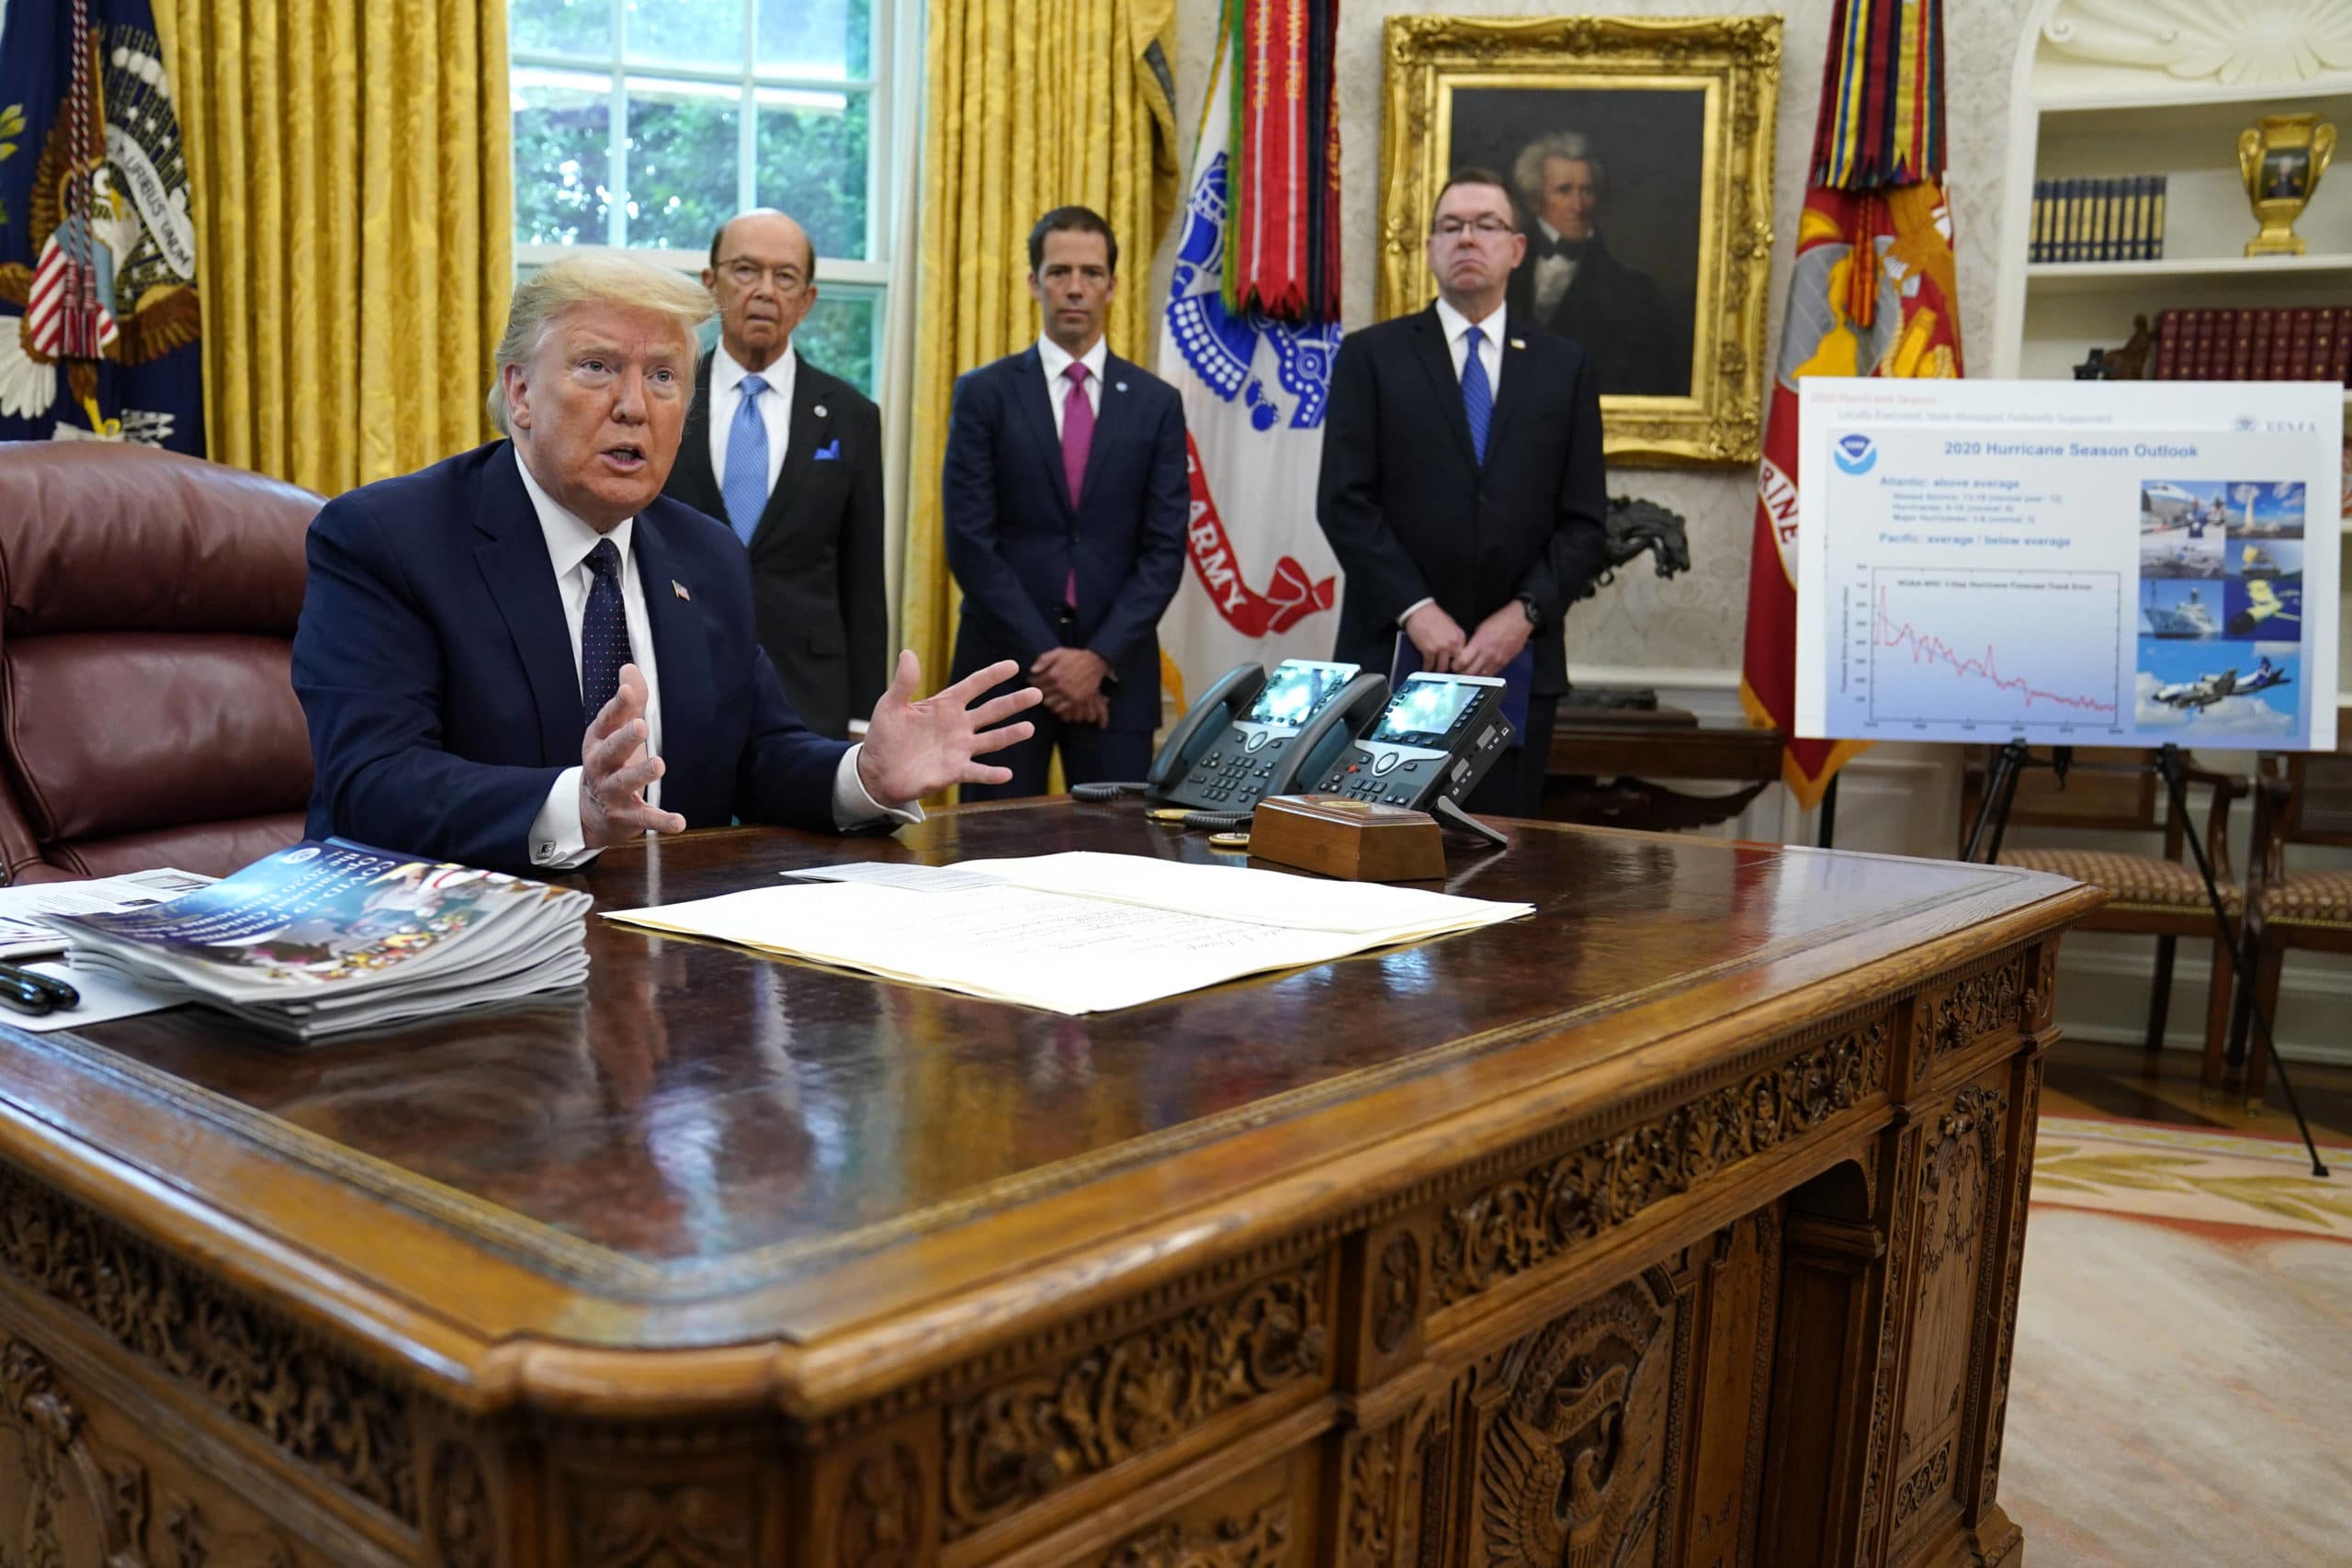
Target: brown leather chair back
147, 715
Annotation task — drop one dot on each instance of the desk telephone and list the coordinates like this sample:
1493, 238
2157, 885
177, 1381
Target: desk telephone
1251, 736
1435, 740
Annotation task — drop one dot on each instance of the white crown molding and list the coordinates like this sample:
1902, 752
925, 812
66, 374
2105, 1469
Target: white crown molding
2229, 41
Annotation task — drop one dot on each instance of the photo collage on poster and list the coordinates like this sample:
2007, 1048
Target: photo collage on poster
2221, 643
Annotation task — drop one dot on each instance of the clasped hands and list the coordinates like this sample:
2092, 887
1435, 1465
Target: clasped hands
1071, 680
1445, 650
911, 748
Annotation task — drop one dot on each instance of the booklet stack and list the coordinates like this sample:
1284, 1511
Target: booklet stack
327, 937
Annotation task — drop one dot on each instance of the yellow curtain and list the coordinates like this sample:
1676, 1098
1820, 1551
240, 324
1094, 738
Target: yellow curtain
355, 226
1028, 108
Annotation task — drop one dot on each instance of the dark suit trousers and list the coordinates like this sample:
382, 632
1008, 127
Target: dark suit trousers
1514, 786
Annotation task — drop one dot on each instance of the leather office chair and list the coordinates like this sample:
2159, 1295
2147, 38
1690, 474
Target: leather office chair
147, 610
2157, 894
2310, 907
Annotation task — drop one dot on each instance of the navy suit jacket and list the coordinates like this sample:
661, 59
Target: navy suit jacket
1013, 537
436, 669
1411, 512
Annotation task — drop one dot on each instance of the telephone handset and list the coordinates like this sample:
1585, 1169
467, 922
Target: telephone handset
1224, 756
1436, 740
1189, 739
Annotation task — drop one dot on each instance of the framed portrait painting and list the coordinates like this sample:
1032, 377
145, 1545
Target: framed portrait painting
1639, 157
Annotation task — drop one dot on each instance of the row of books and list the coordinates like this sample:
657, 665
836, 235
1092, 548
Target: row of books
2117, 219
2306, 343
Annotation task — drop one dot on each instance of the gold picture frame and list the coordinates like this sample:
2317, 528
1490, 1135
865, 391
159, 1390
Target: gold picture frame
1701, 89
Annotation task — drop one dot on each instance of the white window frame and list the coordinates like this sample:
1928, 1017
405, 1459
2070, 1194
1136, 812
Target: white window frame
895, 50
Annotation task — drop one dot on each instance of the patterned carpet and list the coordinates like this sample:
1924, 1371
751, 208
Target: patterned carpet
2182, 1391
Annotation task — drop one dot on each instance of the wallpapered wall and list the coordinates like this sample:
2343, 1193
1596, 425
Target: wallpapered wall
1694, 623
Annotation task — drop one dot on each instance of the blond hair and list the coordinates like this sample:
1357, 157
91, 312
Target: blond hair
594, 278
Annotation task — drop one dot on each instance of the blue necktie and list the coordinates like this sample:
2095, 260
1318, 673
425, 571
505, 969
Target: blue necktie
604, 633
745, 487
1477, 395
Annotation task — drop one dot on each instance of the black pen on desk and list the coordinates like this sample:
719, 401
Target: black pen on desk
18, 990
58, 993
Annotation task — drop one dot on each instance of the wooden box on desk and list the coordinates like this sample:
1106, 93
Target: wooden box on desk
1356, 841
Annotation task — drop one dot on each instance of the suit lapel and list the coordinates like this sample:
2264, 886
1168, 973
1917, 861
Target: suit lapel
694, 447
1029, 400
805, 432
1511, 392
1437, 359
682, 658
1110, 423
521, 580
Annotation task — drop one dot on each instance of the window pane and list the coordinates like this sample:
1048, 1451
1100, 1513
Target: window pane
582, 27
816, 38
686, 32
838, 335
811, 164
680, 161
563, 158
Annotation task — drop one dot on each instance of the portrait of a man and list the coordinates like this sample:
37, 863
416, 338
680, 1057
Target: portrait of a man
1607, 183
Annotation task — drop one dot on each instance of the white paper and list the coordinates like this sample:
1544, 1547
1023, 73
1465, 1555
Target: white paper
1260, 896
21, 935
103, 998
1060, 950
915, 878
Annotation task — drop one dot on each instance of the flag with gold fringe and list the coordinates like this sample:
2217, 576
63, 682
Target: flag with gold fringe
1872, 293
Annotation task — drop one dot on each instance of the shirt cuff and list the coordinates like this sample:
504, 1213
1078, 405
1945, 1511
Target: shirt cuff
853, 807
1410, 608
557, 842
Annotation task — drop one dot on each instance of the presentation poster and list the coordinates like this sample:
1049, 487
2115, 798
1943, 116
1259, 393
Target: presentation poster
2070, 563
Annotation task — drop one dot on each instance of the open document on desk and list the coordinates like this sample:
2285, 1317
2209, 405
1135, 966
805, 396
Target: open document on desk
1071, 933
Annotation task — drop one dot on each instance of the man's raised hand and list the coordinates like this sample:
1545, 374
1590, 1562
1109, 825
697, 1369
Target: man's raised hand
916, 748
614, 768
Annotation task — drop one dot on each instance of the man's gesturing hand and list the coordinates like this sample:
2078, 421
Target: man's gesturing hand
915, 748
615, 770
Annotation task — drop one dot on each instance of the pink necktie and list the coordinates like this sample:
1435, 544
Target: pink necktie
1078, 440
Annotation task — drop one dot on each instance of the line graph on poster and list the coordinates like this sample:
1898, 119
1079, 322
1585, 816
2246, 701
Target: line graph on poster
2002, 650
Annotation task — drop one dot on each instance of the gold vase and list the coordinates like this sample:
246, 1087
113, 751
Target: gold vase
2281, 158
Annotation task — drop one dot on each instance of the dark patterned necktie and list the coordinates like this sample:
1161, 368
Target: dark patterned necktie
1477, 393
604, 633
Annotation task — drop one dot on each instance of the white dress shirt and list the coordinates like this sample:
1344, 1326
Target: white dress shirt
1552, 273
1058, 363
1491, 354
774, 405
558, 843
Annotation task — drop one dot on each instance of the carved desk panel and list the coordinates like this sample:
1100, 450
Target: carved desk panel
1678, 1223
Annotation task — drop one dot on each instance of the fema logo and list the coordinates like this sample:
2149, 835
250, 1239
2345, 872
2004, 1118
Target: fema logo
1854, 453
2245, 422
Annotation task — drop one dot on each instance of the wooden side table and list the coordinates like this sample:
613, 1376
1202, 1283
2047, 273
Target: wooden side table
1603, 761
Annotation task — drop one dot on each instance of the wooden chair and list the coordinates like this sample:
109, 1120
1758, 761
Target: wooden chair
2309, 801
2157, 894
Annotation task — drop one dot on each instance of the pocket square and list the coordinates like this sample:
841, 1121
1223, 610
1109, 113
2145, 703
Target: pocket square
831, 452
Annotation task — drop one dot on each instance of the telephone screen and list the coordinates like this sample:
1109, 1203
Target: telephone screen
1423, 711
1297, 691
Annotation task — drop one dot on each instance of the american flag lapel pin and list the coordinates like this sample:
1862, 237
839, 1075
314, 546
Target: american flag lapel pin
680, 590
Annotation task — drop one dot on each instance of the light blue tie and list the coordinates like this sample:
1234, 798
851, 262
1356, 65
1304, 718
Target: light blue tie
745, 487
1477, 397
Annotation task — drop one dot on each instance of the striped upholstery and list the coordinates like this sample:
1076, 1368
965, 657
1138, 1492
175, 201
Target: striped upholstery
2143, 881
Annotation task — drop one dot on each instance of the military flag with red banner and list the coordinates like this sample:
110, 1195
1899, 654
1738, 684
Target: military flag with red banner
1872, 293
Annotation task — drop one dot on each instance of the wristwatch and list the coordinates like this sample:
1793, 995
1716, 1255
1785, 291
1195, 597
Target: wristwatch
1534, 615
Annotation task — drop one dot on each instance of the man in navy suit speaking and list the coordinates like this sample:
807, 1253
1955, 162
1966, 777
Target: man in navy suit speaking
526, 653
1066, 500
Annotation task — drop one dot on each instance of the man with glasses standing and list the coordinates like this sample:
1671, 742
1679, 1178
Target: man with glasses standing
1462, 485
790, 458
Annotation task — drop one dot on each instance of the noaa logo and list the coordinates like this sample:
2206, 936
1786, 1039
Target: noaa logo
296, 857
1854, 453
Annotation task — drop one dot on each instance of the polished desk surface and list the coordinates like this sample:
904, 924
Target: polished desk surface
720, 1147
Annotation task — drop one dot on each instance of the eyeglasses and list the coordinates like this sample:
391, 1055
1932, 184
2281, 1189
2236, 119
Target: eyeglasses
746, 274
1485, 227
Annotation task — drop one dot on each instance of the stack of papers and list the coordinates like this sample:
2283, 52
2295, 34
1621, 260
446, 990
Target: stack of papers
1071, 933
327, 937
24, 934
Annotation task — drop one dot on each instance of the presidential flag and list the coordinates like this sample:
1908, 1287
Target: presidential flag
99, 318
1872, 294
1261, 579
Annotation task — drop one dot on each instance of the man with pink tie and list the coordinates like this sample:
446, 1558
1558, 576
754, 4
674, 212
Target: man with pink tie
1065, 496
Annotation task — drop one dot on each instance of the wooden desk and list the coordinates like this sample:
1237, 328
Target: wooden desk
1602, 763
1678, 1223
